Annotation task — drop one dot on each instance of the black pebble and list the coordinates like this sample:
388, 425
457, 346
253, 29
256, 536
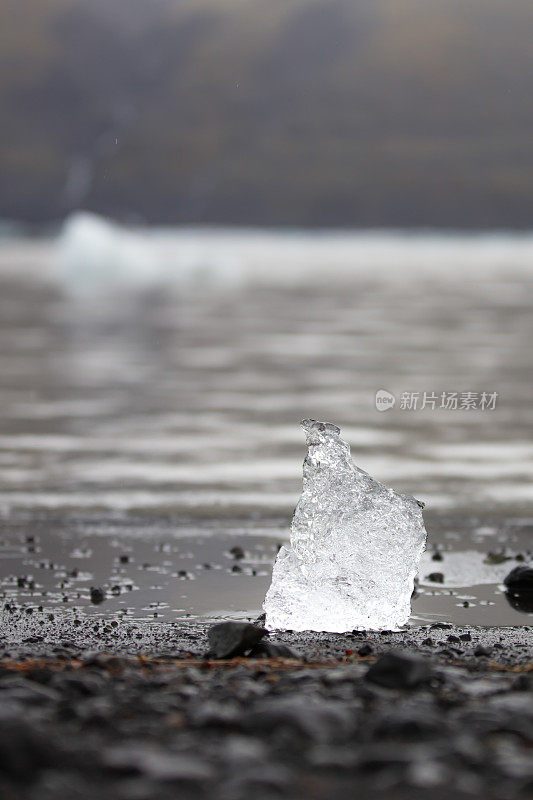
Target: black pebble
229, 639
520, 579
399, 671
97, 595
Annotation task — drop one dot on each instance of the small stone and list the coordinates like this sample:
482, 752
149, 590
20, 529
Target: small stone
482, 651
466, 637
453, 638
237, 552
97, 595
495, 558
520, 579
312, 718
428, 642
437, 556
158, 765
230, 639
435, 577
399, 671
365, 649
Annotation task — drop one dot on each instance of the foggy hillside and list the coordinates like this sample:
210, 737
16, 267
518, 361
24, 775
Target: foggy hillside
308, 112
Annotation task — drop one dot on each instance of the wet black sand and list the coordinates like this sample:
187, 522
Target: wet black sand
135, 710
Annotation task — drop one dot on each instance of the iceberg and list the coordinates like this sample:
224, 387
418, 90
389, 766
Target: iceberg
354, 550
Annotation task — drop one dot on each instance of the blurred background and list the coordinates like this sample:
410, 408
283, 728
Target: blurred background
222, 216
308, 113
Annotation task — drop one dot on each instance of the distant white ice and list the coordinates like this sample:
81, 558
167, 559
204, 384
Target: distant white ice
355, 547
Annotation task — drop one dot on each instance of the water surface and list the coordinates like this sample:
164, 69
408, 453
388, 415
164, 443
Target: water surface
155, 415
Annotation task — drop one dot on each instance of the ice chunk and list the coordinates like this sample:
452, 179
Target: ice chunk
355, 546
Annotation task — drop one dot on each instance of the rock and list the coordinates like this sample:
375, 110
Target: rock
435, 577
311, 717
482, 651
21, 690
24, 752
399, 671
156, 764
495, 558
520, 579
230, 639
437, 556
519, 585
97, 595
237, 552
365, 649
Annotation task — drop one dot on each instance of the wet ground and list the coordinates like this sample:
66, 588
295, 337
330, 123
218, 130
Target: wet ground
164, 568
136, 711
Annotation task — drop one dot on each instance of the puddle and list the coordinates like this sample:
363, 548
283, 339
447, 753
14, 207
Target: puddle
163, 570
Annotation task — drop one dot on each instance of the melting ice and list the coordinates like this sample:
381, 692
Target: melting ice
355, 546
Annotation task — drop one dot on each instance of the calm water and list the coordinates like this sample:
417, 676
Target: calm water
149, 417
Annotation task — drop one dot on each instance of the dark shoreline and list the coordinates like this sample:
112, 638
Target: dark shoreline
135, 711
34, 634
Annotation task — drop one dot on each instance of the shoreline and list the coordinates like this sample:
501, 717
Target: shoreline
137, 712
36, 635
